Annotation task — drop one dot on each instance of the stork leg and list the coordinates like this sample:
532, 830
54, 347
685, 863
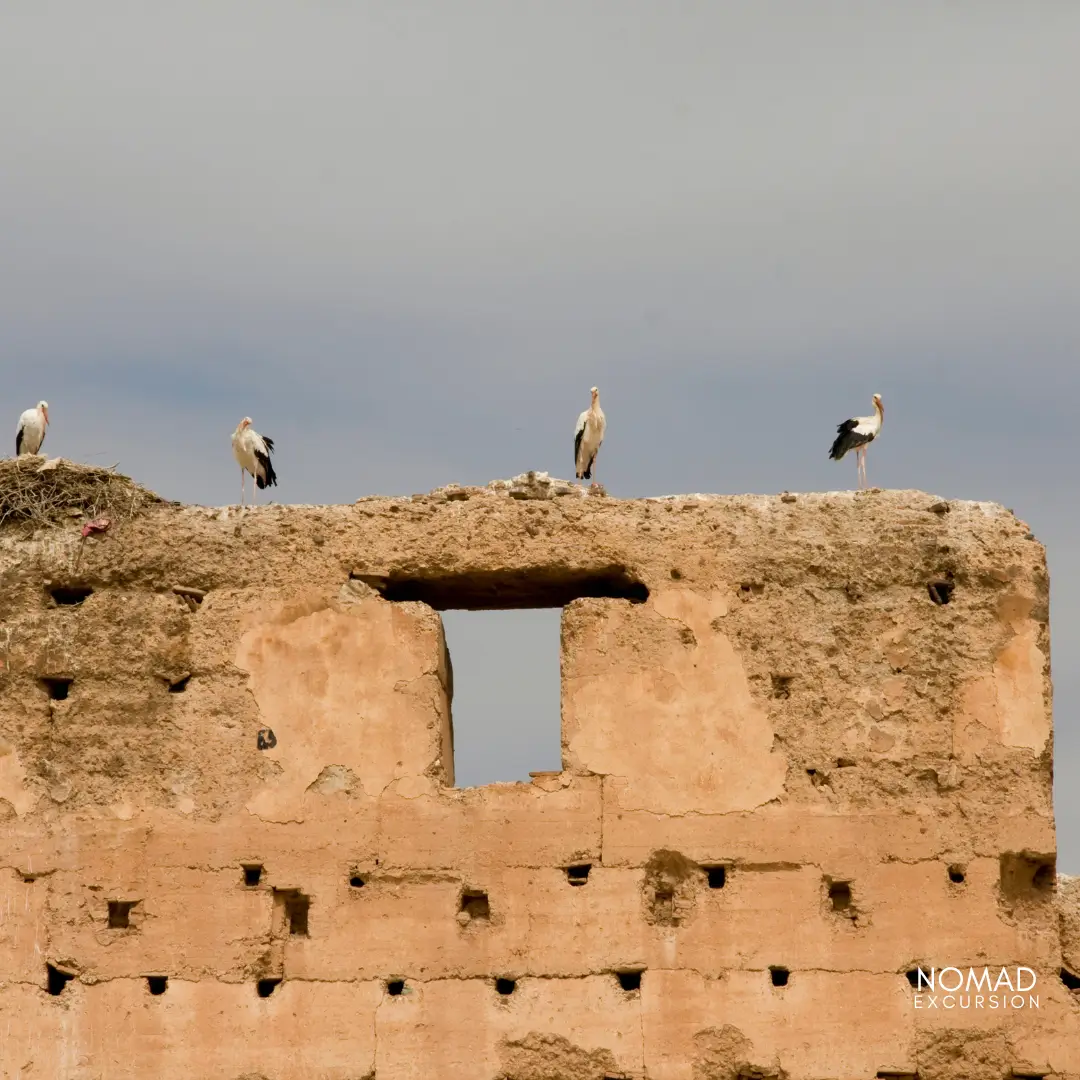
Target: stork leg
241, 485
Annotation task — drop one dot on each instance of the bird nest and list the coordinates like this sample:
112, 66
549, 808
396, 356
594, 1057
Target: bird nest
54, 492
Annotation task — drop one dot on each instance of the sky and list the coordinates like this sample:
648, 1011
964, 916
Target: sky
407, 238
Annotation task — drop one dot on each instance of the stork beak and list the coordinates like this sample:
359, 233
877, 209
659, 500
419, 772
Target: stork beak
46, 412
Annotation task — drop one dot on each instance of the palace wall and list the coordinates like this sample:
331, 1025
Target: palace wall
807, 749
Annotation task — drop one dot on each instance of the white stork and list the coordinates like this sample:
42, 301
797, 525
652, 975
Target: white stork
253, 451
588, 435
31, 433
857, 434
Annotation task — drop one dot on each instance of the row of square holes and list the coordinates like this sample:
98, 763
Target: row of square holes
629, 981
474, 905
575, 875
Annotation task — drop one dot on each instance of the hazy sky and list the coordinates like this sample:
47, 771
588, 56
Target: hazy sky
406, 238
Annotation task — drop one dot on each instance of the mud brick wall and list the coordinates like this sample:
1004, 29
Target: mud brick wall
807, 748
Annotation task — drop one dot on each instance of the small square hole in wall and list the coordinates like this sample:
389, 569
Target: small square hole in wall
716, 876
395, 987
578, 875
120, 914
957, 874
157, 984
940, 591
356, 882
265, 987
56, 979
505, 986
1027, 875
629, 980
840, 896
779, 976
296, 906
475, 905
252, 874
57, 687
70, 595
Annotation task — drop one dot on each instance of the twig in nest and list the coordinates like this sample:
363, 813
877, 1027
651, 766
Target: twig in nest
51, 493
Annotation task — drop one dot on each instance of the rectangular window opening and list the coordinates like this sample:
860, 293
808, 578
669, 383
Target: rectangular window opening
502, 666
505, 694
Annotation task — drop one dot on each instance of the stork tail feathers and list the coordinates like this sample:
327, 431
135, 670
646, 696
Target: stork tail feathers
268, 477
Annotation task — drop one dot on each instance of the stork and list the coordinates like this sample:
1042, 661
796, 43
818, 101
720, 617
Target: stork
857, 434
588, 435
32, 425
253, 451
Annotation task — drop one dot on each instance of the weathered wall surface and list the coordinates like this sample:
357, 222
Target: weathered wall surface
781, 750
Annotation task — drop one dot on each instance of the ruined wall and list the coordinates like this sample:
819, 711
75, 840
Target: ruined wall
806, 749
